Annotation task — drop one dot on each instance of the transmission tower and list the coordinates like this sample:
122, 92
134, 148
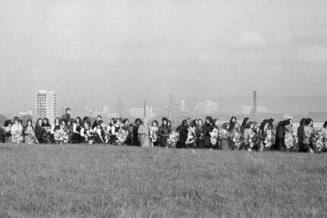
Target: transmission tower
171, 108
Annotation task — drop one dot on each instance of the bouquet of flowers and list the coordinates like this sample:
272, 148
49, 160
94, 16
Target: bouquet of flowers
214, 134
268, 141
154, 134
254, 140
318, 141
289, 140
191, 136
237, 140
122, 136
17, 137
61, 136
172, 139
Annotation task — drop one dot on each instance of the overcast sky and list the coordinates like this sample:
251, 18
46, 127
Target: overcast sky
90, 52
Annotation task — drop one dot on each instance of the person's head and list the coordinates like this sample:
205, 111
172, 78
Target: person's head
56, 121
209, 120
302, 122
137, 122
249, 125
193, 123
245, 120
164, 121
45, 121
125, 122
63, 123
271, 122
29, 123
8, 123
68, 110
99, 117
87, 124
263, 124
184, 123
233, 120
155, 123
325, 124
38, 122
226, 126
200, 122
16, 120
309, 122
78, 121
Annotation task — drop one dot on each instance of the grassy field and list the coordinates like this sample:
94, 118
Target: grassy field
108, 181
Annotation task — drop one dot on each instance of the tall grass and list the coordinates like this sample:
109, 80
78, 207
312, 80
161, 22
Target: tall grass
108, 181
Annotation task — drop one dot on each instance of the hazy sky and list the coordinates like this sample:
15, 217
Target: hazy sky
90, 52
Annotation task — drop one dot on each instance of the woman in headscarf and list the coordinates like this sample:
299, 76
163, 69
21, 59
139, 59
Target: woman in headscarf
243, 125
207, 128
300, 135
280, 134
182, 132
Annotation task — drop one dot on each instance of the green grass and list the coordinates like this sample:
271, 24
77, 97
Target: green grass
108, 181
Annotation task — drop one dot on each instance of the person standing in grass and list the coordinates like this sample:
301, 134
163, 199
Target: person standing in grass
135, 140
76, 129
154, 132
308, 133
87, 133
164, 132
61, 133
191, 135
300, 135
324, 137
47, 137
6, 131
67, 115
199, 133
29, 133
182, 132
280, 134
17, 131
214, 135
143, 134
207, 128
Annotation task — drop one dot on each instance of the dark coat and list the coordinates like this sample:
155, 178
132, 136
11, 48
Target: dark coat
182, 131
280, 135
163, 134
206, 135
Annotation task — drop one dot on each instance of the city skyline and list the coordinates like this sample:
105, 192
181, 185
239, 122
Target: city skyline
95, 52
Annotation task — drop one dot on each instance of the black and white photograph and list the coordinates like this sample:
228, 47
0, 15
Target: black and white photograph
163, 108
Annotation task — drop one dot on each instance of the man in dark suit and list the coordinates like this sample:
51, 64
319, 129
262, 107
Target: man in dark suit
67, 115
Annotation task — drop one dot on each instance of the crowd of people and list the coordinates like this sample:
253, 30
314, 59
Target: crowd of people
192, 133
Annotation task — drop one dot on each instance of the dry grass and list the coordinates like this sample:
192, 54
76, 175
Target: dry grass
108, 181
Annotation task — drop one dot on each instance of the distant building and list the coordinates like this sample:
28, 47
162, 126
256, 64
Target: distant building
46, 105
206, 107
248, 109
136, 112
